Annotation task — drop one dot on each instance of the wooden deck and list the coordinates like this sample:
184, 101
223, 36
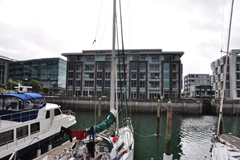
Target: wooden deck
233, 140
56, 151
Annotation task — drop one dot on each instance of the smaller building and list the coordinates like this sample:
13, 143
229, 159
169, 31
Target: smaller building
201, 91
195, 80
51, 72
4, 61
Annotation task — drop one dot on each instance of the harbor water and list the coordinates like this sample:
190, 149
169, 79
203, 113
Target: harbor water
190, 139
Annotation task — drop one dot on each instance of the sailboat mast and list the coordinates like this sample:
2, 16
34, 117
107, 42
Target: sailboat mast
225, 71
113, 64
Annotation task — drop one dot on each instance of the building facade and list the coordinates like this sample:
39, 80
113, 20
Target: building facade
4, 61
149, 73
51, 72
232, 89
201, 91
195, 80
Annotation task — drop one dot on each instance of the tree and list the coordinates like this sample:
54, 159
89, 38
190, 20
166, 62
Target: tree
46, 90
3, 86
11, 84
35, 85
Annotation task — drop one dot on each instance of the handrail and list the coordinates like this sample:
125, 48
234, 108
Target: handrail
18, 116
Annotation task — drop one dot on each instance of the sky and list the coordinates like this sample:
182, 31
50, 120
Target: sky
31, 29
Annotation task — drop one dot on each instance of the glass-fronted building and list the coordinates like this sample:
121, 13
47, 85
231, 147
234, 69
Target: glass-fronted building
51, 72
149, 73
4, 61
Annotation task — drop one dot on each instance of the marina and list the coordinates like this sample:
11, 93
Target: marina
191, 134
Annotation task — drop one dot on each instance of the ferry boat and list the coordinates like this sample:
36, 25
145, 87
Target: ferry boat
28, 124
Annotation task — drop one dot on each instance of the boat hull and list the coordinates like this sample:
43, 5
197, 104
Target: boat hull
30, 151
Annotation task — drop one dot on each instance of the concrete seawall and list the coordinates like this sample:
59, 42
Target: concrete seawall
194, 107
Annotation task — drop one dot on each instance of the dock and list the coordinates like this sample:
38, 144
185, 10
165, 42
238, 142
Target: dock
56, 151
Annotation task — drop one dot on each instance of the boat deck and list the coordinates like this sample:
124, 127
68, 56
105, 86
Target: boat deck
233, 140
55, 151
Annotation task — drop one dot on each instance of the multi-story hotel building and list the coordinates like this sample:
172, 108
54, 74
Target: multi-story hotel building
195, 80
51, 72
232, 90
149, 73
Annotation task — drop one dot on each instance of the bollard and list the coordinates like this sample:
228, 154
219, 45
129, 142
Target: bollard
49, 147
168, 155
99, 111
158, 117
38, 152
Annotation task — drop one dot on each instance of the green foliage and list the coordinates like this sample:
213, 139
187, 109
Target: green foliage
11, 84
35, 85
3, 86
46, 90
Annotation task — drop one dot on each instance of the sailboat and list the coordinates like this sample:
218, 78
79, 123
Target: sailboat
225, 146
109, 140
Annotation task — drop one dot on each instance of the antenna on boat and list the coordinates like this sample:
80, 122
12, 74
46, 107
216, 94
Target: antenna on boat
22, 89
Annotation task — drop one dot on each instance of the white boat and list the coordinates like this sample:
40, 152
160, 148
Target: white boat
225, 146
28, 124
109, 140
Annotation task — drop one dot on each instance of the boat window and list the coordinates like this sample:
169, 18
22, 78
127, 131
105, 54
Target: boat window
39, 102
47, 114
22, 132
28, 105
10, 103
35, 127
57, 112
6, 137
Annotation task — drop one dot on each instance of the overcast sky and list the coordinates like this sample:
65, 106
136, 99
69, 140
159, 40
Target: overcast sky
31, 29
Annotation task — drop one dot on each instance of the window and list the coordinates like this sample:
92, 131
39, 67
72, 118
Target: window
175, 85
166, 83
22, 132
70, 82
35, 127
99, 83
6, 137
143, 57
154, 84
99, 74
78, 83
78, 67
133, 83
134, 75
142, 84
166, 66
70, 74
89, 67
154, 58
154, 76
47, 115
57, 112
88, 83
99, 67
78, 75
107, 83
166, 75
142, 75
154, 67
89, 59
133, 66
174, 67
107, 75
238, 93
108, 66
237, 67
70, 66
143, 66
238, 76
238, 84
